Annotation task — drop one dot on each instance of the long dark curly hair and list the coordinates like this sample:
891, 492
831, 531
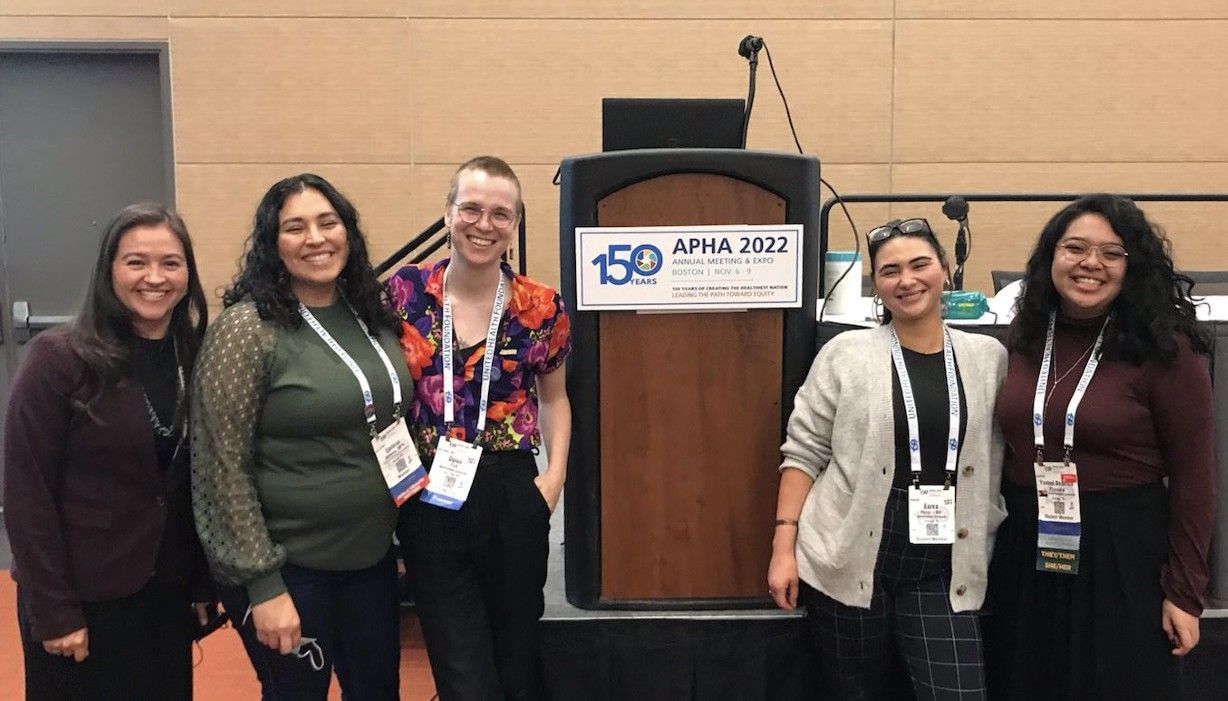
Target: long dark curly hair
1155, 302
263, 277
102, 335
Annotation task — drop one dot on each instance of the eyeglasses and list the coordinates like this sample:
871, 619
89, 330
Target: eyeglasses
500, 217
907, 227
1077, 251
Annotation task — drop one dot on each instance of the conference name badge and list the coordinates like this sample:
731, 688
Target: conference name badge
931, 515
456, 463
1059, 526
398, 459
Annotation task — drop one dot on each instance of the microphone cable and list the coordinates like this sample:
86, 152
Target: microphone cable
839, 200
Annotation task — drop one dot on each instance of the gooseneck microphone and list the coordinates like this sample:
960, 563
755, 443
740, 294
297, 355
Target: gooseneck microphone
956, 209
748, 49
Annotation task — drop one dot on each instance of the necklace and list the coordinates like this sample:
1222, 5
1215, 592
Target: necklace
1077, 361
161, 430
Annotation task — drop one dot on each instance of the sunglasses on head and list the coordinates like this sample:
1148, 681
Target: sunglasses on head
908, 227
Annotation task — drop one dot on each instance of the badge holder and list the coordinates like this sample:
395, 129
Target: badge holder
1059, 526
452, 473
398, 459
931, 514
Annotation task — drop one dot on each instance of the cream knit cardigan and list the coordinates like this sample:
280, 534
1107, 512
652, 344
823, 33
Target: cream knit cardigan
842, 434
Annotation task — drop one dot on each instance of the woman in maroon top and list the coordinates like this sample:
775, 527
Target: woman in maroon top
97, 501
1120, 593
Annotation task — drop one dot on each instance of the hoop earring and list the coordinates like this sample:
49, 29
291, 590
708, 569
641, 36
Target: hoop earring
876, 307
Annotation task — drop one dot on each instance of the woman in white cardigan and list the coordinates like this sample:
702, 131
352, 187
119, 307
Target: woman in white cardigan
889, 487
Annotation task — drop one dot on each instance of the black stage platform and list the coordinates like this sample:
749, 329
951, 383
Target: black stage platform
730, 655
720, 655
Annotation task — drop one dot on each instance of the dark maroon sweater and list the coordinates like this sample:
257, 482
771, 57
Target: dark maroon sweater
1137, 424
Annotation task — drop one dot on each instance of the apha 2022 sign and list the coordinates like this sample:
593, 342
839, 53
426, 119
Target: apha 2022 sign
675, 268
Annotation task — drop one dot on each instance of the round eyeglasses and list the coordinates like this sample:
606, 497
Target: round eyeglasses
500, 217
1077, 251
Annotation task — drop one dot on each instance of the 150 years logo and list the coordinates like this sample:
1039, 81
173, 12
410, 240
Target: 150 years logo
622, 264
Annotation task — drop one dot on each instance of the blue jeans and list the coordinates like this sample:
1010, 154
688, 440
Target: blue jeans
352, 614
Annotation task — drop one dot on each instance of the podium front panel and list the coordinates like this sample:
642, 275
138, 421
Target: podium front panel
690, 418
677, 418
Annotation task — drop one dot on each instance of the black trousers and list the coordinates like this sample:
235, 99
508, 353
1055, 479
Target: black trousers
477, 576
910, 616
353, 617
140, 647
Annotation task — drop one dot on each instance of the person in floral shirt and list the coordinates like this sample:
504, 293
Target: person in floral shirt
476, 560
535, 326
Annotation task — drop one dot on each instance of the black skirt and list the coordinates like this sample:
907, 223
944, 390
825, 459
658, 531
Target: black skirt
1094, 635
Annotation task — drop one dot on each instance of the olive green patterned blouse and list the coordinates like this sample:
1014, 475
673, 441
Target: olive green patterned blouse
282, 465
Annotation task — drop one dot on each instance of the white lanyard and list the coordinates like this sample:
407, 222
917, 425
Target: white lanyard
488, 359
910, 406
1042, 388
367, 398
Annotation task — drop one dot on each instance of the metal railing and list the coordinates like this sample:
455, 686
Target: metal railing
825, 210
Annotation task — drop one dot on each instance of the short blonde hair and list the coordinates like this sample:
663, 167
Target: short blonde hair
493, 166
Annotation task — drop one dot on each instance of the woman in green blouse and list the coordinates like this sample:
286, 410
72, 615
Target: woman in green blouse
295, 379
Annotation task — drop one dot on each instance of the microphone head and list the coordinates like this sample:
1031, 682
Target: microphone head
749, 45
956, 208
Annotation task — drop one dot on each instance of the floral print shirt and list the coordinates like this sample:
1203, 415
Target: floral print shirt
534, 339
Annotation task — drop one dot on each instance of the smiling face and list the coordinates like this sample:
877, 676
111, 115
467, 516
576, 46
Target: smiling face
908, 277
313, 245
149, 276
1088, 285
492, 198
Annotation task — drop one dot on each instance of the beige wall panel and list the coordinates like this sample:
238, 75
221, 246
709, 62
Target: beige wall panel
14, 28
1004, 233
1108, 9
246, 90
218, 202
1097, 91
287, 8
102, 8
851, 179
679, 9
540, 83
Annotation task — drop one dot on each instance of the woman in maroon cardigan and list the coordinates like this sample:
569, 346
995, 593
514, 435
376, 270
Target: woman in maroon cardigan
1100, 568
96, 477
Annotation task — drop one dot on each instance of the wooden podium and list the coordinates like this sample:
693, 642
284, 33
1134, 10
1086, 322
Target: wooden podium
678, 417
